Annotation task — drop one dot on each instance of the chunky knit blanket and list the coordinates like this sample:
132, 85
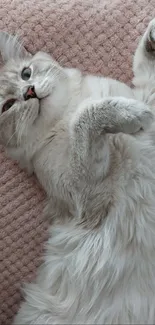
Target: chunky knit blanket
97, 36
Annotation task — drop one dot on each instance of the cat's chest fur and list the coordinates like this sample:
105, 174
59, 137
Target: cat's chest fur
66, 98
48, 145
51, 162
82, 87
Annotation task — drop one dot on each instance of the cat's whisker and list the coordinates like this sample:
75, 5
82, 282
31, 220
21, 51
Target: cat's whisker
21, 130
11, 137
21, 125
60, 59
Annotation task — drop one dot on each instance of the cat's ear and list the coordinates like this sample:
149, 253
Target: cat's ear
11, 48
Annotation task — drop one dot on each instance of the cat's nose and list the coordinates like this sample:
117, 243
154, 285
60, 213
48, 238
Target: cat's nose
30, 93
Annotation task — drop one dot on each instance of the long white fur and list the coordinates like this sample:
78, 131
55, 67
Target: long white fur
83, 140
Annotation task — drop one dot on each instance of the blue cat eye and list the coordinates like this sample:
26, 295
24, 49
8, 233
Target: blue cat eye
26, 74
8, 104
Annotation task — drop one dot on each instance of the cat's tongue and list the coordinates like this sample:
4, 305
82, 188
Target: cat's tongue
30, 92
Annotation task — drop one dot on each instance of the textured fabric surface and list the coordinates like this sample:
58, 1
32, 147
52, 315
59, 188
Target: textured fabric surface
97, 36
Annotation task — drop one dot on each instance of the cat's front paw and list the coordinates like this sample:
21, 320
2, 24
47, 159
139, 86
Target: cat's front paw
143, 117
150, 39
131, 116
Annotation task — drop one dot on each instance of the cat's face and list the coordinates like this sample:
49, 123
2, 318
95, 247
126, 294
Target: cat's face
25, 81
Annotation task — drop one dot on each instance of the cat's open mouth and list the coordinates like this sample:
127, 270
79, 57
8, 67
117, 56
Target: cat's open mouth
8, 104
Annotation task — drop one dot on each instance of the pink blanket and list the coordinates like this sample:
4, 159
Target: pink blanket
97, 36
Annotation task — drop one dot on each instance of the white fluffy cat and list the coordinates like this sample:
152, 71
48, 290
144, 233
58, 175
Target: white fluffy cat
91, 143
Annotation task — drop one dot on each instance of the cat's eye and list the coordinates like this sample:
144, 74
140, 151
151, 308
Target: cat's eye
8, 104
26, 74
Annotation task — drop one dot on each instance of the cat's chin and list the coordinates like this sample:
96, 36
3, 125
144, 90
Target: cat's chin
44, 102
33, 107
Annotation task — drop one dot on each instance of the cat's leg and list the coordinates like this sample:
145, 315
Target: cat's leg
144, 59
93, 119
92, 151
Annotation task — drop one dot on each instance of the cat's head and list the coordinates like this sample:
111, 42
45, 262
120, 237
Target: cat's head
25, 81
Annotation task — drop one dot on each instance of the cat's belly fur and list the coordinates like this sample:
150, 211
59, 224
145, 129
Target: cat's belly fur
105, 87
97, 87
105, 276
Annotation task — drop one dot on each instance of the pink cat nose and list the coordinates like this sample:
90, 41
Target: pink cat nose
30, 93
